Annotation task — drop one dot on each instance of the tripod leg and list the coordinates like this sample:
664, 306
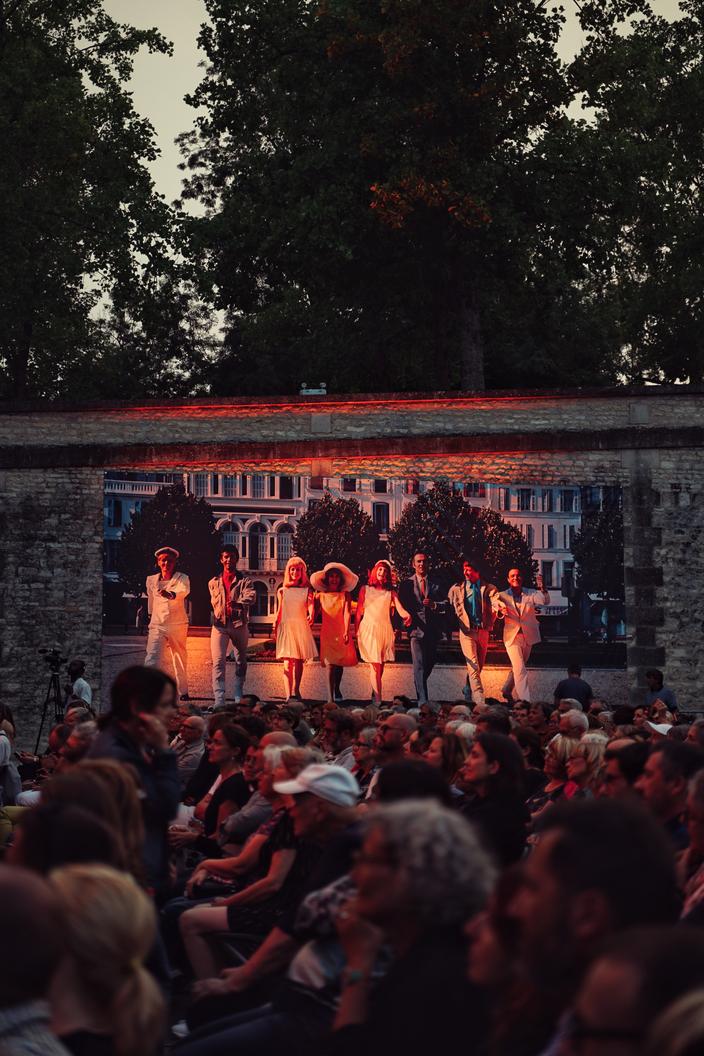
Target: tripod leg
44, 711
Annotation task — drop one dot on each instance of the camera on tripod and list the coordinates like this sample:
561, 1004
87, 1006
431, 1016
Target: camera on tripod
54, 659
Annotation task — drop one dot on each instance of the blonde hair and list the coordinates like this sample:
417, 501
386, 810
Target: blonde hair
123, 785
562, 749
109, 927
304, 581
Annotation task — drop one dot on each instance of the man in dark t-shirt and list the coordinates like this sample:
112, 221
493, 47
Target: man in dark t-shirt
574, 687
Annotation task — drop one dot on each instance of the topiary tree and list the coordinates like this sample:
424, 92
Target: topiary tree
445, 527
172, 518
598, 552
338, 530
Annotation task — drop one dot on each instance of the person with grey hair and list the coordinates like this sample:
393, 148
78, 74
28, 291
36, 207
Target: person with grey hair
436, 876
189, 746
568, 704
573, 723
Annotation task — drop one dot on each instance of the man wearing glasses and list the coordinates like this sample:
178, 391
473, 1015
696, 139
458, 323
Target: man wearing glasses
189, 745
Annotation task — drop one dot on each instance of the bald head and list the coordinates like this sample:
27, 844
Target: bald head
30, 925
278, 738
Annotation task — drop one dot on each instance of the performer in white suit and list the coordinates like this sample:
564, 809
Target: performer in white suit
168, 624
521, 631
474, 604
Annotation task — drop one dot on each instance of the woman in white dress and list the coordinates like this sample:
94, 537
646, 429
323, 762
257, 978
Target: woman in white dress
375, 632
294, 616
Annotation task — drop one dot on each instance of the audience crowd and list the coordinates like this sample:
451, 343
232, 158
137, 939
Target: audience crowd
518, 878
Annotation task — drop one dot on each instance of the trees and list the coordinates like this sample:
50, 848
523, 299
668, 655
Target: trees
598, 553
446, 528
88, 275
172, 518
338, 530
363, 166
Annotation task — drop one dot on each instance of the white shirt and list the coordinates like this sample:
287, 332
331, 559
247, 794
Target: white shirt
80, 688
167, 610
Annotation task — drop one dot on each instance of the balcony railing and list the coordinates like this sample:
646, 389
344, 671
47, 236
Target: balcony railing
133, 487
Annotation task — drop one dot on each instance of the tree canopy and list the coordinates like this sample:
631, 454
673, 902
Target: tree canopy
172, 518
598, 553
446, 528
338, 530
91, 299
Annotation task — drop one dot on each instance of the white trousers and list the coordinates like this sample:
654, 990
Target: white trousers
169, 640
474, 648
516, 685
220, 638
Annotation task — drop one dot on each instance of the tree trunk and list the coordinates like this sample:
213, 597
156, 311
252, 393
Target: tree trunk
471, 345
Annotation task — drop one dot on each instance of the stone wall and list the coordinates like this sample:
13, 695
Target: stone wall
51, 494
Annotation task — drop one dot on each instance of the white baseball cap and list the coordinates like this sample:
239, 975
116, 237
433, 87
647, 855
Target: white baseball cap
331, 783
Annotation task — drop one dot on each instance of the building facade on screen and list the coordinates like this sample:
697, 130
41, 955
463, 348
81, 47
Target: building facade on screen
258, 513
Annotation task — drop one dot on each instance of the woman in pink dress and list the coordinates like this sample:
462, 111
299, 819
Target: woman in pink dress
375, 632
337, 651
292, 626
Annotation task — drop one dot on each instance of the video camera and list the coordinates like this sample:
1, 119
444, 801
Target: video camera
54, 659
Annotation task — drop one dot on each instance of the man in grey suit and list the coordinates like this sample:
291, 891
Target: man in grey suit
231, 594
424, 599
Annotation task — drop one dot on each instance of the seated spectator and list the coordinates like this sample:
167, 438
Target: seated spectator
30, 925
557, 754
573, 723
76, 714
573, 687
584, 767
664, 782
496, 719
448, 752
134, 732
494, 776
624, 762
54, 834
635, 977
228, 793
599, 868
339, 733
460, 711
10, 781
76, 746
533, 757
658, 691
690, 862
284, 862
428, 714
464, 730
301, 730
392, 737
539, 720
103, 999
364, 762
122, 785
436, 876
236, 828
695, 733
399, 700
189, 745
7, 722
569, 704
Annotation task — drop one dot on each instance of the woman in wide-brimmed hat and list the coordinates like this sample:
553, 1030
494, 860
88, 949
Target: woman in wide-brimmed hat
333, 586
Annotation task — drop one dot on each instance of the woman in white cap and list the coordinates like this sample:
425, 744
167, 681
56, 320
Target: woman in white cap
375, 632
333, 586
292, 626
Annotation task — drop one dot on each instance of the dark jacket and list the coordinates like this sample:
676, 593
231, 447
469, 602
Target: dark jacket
161, 788
426, 622
502, 824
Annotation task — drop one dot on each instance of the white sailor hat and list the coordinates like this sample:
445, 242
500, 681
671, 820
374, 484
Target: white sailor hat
167, 550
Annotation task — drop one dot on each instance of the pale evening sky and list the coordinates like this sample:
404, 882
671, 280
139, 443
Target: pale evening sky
160, 83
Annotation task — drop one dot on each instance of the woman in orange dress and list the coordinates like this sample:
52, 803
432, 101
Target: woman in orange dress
333, 586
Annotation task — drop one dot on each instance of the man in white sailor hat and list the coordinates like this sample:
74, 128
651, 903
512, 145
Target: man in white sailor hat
167, 591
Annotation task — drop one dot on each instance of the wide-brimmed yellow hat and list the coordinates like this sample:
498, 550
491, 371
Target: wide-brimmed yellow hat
349, 579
